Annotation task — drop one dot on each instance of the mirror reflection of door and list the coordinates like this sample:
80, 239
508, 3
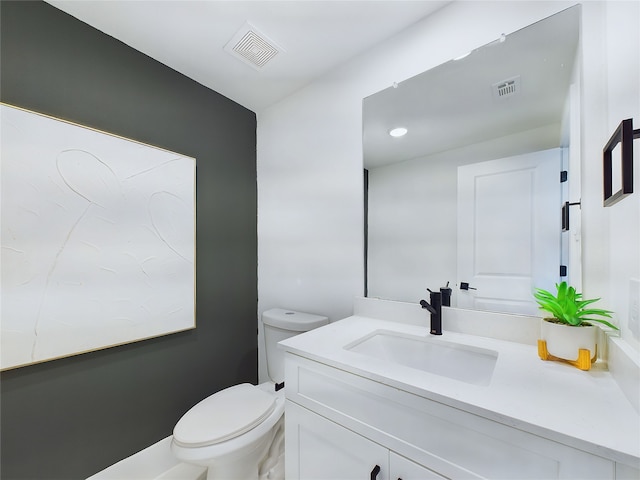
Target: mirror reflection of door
508, 231
411, 223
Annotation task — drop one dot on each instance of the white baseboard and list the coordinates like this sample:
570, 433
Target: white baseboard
153, 463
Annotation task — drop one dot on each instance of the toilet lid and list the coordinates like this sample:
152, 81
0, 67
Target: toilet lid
224, 415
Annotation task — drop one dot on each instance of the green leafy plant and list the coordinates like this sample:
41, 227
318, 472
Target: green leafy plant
568, 307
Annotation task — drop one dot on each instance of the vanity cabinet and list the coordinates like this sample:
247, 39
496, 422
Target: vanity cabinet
341, 425
324, 450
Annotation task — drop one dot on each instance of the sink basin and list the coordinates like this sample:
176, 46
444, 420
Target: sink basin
430, 354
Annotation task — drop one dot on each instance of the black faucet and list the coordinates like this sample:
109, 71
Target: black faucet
434, 306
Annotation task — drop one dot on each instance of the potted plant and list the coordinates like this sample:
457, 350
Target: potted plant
568, 333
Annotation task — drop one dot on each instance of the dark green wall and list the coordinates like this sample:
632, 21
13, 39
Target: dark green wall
71, 418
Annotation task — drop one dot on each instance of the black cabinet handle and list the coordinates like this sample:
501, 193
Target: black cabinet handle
375, 472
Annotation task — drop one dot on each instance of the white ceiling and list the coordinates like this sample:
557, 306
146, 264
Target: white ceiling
189, 36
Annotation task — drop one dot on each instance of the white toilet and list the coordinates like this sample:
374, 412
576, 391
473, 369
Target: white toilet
238, 432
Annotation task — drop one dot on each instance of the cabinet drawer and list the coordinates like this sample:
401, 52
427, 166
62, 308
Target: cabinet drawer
404, 469
455, 443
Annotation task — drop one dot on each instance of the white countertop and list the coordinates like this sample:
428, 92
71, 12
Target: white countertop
585, 410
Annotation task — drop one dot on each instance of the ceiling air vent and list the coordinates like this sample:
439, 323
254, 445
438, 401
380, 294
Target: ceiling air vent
506, 88
252, 47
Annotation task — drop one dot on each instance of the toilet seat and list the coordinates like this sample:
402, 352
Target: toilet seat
224, 415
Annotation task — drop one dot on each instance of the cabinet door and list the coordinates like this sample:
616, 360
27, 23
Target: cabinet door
404, 469
320, 449
627, 472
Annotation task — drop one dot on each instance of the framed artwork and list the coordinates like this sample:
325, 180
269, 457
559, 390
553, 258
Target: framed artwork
98, 239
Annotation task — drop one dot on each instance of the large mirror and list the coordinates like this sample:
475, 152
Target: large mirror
471, 195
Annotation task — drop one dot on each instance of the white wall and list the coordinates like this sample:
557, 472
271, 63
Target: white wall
309, 154
610, 93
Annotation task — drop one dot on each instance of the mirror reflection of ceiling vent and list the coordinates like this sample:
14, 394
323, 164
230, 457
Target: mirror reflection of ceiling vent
252, 47
506, 88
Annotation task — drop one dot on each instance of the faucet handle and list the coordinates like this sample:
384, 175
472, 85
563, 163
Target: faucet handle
428, 307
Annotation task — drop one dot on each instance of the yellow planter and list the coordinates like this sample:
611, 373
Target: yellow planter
575, 345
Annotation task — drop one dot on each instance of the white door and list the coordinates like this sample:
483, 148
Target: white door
319, 449
509, 231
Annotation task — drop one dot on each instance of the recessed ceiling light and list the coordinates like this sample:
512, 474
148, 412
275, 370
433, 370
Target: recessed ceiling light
398, 132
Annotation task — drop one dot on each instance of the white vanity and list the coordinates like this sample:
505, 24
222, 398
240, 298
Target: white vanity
365, 400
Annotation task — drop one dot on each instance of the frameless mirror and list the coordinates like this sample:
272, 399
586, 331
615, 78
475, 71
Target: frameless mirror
471, 194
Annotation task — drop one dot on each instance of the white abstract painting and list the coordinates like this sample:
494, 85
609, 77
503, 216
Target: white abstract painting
98, 239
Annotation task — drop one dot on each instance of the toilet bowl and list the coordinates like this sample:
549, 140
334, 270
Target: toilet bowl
238, 432
232, 431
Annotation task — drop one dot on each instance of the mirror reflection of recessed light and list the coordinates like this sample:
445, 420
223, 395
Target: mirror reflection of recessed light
398, 132
465, 55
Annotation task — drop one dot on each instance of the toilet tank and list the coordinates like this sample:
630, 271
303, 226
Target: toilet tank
280, 324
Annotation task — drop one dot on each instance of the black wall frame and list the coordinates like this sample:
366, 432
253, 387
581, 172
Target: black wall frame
623, 135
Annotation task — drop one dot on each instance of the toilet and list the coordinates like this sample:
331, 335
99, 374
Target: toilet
238, 432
